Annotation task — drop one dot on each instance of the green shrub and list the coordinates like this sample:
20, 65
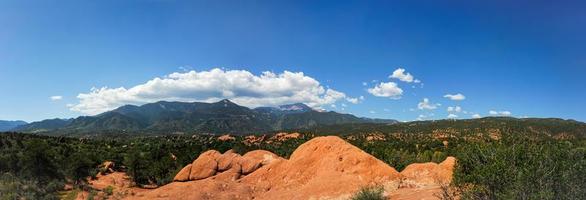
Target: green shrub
109, 190
370, 193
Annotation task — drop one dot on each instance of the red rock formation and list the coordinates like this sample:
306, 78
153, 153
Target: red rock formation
428, 174
205, 165
183, 175
324, 167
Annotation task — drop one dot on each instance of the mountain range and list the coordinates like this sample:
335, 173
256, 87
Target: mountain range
196, 117
8, 125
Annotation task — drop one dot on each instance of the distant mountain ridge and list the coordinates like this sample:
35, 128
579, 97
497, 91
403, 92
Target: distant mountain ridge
196, 117
40, 126
8, 125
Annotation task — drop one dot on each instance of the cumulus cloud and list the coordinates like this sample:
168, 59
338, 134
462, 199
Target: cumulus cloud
240, 86
501, 113
353, 100
455, 97
475, 116
422, 117
56, 98
389, 89
454, 109
452, 116
426, 105
403, 76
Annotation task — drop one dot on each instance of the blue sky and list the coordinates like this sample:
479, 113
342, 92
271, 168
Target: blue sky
524, 57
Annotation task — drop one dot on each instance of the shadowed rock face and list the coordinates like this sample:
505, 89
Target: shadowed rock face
322, 168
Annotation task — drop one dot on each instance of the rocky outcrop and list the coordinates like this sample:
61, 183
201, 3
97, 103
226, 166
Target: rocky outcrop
428, 174
205, 165
227, 160
321, 167
106, 167
183, 175
226, 138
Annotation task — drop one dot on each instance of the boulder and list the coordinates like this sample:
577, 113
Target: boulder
106, 167
183, 175
419, 175
231, 174
227, 160
253, 160
205, 165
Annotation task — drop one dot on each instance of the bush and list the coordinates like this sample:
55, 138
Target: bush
370, 193
109, 190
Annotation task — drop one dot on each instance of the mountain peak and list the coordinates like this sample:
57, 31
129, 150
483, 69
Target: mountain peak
226, 103
298, 107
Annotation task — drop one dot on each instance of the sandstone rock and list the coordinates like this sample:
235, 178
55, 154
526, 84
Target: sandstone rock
322, 168
428, 174
226, 138
183, 175
253, 160
205, 165
231, 174
249, 165
106, 167
227, 160
285, 136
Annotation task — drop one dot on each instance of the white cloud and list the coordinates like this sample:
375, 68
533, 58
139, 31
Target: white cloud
501, 113
353, 100
240, 86
452, 116
372, 112
422, 117
426, 105
333, 105
361, 98
389, 89
454, 109
55, 98
344, 105
405, 77
475, 116
364, 83
455, 97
